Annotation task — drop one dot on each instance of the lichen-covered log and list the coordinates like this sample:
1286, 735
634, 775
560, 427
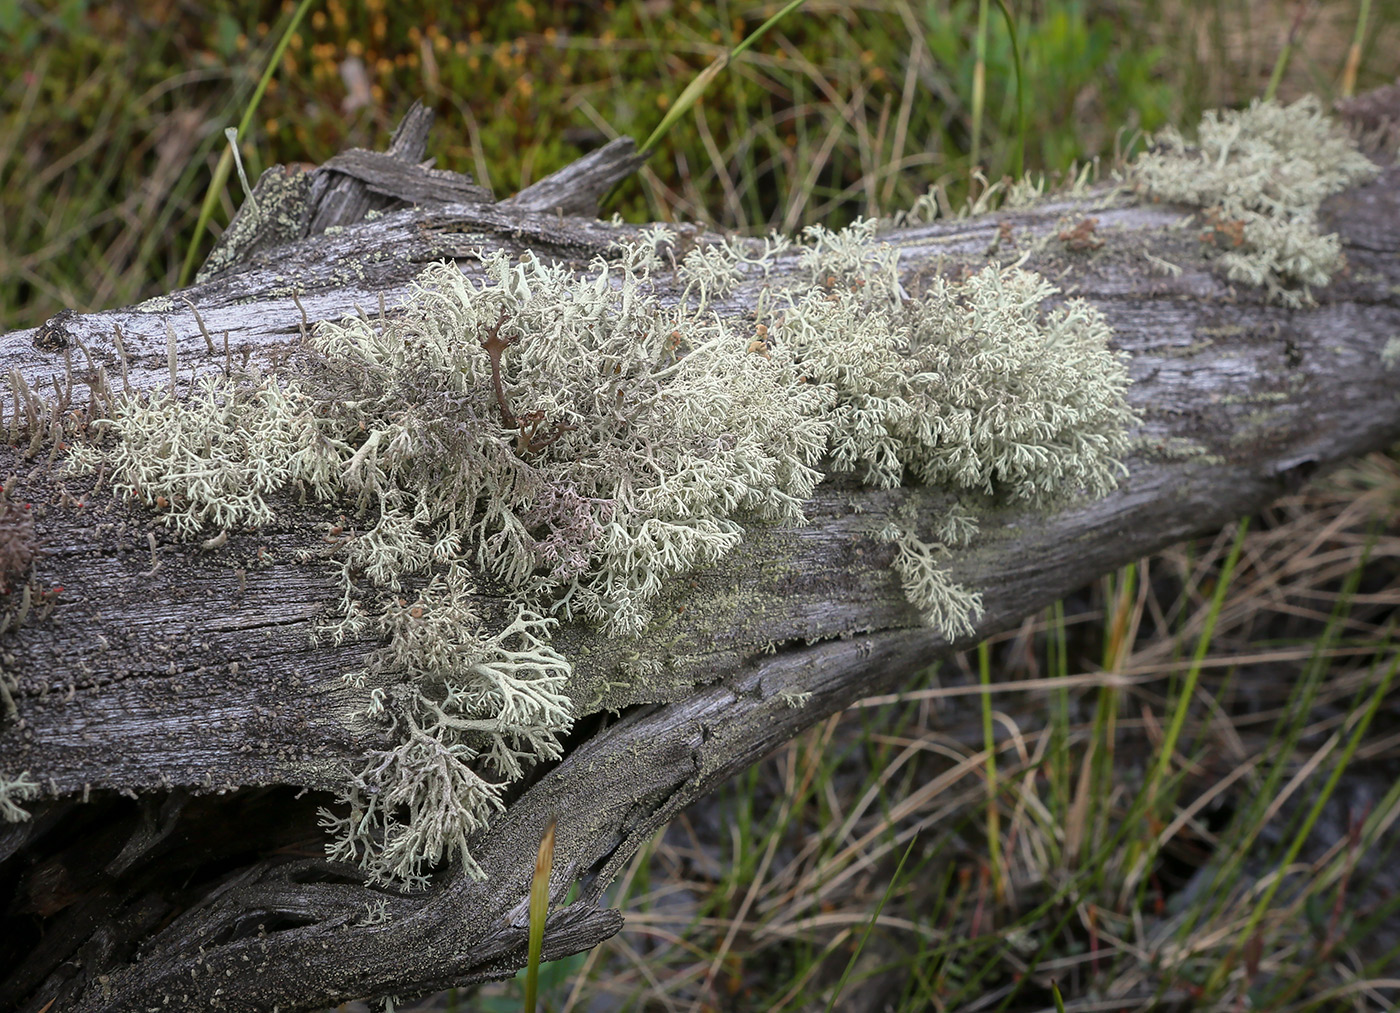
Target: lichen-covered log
175, 657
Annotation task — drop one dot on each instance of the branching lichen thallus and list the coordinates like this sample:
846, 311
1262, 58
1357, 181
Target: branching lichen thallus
527, 426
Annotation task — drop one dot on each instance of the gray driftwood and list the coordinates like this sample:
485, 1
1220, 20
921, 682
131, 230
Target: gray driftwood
184, 730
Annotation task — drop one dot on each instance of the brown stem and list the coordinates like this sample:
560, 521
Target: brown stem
495, 345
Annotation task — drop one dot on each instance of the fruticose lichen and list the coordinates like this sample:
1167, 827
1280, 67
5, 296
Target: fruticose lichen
570, 442
1261, 173
13, 790
1390, 354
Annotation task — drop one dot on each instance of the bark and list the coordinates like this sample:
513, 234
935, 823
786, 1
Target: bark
183, 729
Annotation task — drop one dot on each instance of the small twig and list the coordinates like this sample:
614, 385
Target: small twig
527, 444
495, 345
528, 425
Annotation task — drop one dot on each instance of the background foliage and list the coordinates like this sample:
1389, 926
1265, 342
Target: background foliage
111, 114
1052, 830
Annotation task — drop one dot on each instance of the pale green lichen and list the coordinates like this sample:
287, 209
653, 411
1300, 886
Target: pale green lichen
1262, 173
212, 460
946, 605
713, 269
796, 699
1005, 194
572, 441
569, 439
13, 791
275, 217
1390, 354
970, 386
462, 700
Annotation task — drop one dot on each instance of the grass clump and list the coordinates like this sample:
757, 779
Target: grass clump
113, 126
1250, 866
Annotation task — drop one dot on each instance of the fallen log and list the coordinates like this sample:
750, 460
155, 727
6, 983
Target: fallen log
173, 723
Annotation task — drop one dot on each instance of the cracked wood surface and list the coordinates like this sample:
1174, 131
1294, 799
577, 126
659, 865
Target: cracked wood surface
186, 677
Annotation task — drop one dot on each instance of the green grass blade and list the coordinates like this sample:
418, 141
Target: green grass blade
989, 743
1285, 54
1193, 674
1018, 157
979, 84
697, 86
1296, 845
1353, 63
539, 910
870, 925
221, 171
1249, 823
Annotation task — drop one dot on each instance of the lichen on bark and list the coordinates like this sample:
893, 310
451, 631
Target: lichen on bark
572, 441
1261, 174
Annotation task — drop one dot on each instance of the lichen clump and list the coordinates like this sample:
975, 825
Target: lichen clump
1390, 354
570, 441
1262, 174
13, 791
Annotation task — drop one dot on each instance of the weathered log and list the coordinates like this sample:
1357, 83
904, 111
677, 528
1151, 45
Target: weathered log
183, 729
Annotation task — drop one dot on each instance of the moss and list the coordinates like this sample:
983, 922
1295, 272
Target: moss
156, 304
1261, 174
1172, 448
572, 442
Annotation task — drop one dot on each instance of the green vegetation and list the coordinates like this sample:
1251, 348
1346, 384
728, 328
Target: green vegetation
1248, 865
539, 912
1052, 838
111, 126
